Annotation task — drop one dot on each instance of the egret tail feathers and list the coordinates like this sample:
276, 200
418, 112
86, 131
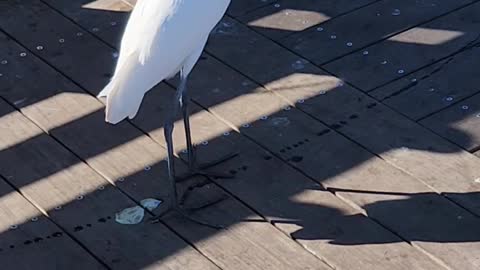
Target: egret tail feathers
125, 91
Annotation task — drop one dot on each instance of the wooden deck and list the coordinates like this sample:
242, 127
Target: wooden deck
357, 124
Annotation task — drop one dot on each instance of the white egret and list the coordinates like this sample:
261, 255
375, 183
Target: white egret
162, 38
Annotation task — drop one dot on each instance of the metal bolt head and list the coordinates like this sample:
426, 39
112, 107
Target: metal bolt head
396, 12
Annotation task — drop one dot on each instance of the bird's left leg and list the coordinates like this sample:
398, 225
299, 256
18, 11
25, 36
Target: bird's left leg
197, 169
175, 204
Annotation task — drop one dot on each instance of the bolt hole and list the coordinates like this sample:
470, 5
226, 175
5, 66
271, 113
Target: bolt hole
37, 239
323, 132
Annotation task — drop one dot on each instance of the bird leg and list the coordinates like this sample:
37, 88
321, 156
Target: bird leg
175, 205
197, 169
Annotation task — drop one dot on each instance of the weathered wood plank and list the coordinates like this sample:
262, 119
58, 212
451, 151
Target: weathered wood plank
76, 119
57, 39
87, 202
240, 7
236, 8
28, 240
374, 22
285, 17
52, 177
298, 206
410, 50
433, 88
396, 139
106, 18
273, 169
238, 119
458, 123
371, 229
339, 163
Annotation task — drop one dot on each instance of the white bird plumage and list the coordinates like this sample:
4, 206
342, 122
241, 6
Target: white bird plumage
161, 37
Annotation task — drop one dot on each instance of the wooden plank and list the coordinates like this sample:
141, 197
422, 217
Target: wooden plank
74, 118
240, 7
29, 240
269, 249
323, 224
284, 17
339, 163
52, 177
237, 7
243, 113
396, 139
40, 36
433, 88
106, 18
375, 22
373, 230
458, 123
410, 50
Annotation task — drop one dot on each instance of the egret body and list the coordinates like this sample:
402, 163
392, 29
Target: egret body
162, 38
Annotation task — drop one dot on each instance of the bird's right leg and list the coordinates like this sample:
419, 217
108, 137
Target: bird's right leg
175, 203
197, 169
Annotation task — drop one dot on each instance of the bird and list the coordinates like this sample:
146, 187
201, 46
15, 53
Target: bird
163, 38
